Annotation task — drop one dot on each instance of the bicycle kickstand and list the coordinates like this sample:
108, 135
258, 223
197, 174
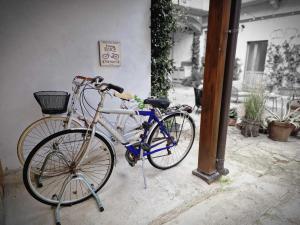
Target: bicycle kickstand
143, 169
80, 177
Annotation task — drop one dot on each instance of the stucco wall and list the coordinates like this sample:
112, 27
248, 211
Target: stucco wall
261, 30
45, 43
182, 49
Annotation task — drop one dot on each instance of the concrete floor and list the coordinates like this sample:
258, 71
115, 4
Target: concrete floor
263, 187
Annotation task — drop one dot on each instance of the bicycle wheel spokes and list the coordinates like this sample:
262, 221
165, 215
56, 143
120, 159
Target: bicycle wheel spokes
182, 131
38, 131
51, 164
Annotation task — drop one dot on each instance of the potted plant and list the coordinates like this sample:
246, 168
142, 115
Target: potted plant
254, 105
281, 125
295, 103
232, 117
282, 65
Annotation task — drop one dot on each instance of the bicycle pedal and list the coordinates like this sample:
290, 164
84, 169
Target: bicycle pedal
130, 158
132, 164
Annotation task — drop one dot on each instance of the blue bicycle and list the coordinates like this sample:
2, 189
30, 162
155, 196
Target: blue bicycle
72, 165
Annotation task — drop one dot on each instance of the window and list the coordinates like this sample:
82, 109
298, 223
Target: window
255, 64
256, 56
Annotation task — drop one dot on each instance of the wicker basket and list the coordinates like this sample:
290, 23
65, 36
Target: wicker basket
52, 102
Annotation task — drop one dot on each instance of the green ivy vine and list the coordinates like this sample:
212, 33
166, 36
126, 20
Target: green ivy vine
163, 24
195, 52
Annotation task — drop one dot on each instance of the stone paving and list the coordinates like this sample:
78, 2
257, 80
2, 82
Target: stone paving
262, 188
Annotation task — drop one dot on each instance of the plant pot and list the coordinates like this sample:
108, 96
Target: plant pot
295, 104
231, 122
263, 130
250, 128
280, 131
295, 131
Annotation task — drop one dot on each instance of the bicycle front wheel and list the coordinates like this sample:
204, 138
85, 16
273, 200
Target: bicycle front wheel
39, 130
181, 128
51, 164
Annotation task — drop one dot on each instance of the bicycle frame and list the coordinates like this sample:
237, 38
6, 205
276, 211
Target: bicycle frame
121, 119
120, 122
75, 97
138, 150
99, 118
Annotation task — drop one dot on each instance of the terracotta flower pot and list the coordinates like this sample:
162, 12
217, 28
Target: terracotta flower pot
280, 131
295, 104
295, 131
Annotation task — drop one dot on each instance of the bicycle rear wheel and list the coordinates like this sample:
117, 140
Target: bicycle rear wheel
181, 128
55, 161
39, 130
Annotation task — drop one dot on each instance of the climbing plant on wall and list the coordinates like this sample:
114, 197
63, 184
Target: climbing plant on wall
281, 65
163, 24
196, 52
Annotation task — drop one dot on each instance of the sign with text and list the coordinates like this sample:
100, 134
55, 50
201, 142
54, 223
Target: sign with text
109, 53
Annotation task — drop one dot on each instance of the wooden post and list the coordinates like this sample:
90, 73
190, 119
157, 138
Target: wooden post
227, 84
218, 25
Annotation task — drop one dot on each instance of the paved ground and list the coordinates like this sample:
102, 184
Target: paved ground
263, 187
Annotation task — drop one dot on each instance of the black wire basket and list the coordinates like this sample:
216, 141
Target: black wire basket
52, 102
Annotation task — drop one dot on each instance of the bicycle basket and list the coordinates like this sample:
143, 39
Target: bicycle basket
52, 102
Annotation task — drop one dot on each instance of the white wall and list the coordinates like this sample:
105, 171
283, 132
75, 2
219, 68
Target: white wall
182, 49
261, 30
45, 43
264, 8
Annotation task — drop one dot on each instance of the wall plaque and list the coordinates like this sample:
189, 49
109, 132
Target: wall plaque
109, 53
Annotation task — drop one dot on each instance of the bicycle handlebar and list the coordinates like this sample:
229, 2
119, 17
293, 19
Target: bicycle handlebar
107, 86
116, 88
91, 79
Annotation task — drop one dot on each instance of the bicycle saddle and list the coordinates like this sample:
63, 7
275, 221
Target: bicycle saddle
158, 102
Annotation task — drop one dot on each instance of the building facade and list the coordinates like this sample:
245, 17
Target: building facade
44, 44
262, 23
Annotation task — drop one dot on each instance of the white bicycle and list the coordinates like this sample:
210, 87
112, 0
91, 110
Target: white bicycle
54, 104
72, 165
59, 115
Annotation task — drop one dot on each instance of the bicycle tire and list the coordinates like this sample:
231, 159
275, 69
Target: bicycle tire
37, 133
102, 149
156, 159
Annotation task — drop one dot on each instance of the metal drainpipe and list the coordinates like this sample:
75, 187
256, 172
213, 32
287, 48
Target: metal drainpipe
227, 84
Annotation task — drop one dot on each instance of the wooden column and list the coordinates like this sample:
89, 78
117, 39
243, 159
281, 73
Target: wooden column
227, 84
218, 26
